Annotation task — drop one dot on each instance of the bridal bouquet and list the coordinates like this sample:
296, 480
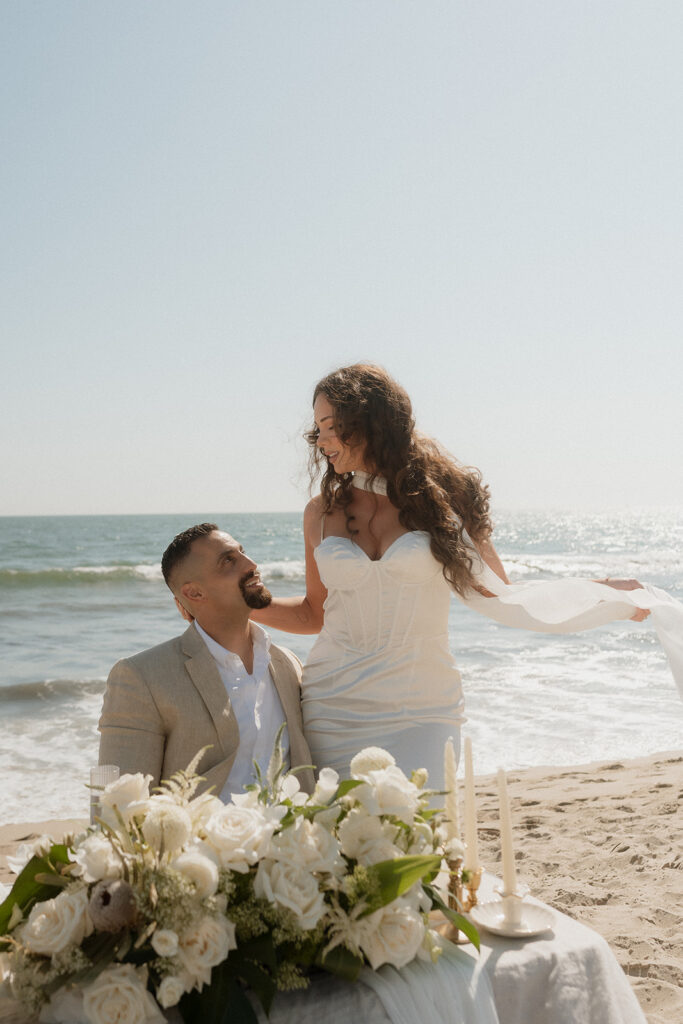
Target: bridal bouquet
178, 899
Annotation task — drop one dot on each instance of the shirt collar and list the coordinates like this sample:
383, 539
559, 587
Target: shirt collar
223, 656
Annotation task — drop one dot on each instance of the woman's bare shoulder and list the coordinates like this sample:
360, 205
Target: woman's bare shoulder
312, 516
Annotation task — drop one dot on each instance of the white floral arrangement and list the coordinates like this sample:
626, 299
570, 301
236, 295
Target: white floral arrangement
177, 899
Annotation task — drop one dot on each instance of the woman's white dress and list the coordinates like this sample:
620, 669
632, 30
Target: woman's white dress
381, 673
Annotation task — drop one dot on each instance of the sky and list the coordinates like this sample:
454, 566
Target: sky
206, 207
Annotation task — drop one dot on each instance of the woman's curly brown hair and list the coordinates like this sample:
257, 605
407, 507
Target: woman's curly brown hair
429, 488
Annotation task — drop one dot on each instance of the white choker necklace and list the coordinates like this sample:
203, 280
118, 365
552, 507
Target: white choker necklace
361, 480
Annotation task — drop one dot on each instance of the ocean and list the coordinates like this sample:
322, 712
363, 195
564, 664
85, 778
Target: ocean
79, 592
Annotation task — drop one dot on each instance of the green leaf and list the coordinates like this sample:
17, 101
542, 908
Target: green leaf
27, 889
394, 877
260, 948
222, 1002
258, 980
341, 962
455, 918
345, 787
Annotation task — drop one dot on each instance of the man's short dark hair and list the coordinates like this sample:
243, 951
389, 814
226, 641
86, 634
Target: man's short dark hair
179, 548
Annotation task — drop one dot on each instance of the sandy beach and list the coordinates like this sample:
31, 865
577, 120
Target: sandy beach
602, 843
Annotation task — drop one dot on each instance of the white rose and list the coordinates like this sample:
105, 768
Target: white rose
205, 946
119, 996
98, 859
167, 825
388, 791
395, 934
325, 787
164, 942
55, 924
370, 759
366, 839
201, 808
199, 869
129, 795
170, 991
240, 832
65, 1007
309, 845
292, 887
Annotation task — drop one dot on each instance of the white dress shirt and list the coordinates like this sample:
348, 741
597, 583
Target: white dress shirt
255, 704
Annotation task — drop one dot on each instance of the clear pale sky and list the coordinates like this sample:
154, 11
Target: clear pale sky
207, 206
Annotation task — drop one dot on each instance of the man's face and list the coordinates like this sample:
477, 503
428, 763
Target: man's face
226, 579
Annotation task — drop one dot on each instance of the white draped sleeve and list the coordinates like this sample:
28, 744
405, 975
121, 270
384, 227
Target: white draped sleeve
571, 605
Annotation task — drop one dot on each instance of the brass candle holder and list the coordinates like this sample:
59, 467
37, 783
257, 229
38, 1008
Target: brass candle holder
455, 897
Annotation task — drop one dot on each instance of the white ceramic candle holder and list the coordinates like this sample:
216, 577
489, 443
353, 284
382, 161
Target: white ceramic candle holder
513, 906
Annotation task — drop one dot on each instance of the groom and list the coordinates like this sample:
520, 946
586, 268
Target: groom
221, 684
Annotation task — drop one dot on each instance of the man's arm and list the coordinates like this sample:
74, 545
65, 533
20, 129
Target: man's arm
131, 728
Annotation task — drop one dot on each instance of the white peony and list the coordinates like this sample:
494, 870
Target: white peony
119, 996
394, 936
167, 825
55, 924
366, 839
309, 845
289, 788
240, 832
200, 869
129, 795
388, 791
97, 859
325, 787
170, 991
65, 1007
203, 947
164, 942
370, 759
25, 851
293, 887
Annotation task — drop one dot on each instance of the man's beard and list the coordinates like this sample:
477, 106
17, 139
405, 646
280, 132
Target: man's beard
254, 597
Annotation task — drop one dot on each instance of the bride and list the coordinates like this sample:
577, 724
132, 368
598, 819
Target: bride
398, 527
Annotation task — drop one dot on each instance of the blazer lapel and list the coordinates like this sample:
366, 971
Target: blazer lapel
204, 674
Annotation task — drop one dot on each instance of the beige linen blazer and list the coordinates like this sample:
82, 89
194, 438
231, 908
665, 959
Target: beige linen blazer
163, 705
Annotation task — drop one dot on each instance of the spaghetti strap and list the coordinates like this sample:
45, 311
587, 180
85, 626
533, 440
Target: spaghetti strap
322, 527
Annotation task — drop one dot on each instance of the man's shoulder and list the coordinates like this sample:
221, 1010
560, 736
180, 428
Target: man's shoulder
282, 657
169, 652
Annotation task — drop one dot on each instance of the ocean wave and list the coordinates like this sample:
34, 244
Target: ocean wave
50, 690
294, 570
60, 577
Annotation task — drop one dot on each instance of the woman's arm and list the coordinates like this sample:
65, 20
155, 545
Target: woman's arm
300, 614
492, 558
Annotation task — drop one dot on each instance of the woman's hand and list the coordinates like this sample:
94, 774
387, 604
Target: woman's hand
641, 613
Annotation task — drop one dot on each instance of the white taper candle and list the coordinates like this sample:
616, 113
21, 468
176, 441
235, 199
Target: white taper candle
508, 854
471, 843
451, 787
